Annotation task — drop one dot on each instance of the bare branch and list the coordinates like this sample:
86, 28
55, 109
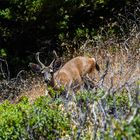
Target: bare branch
104, 74
7, 69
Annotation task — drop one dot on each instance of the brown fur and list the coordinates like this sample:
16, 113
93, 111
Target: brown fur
73, 71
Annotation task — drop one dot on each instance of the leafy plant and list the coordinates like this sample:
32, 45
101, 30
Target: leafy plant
25, 121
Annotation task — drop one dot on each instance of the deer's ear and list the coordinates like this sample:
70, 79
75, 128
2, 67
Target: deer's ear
35, 67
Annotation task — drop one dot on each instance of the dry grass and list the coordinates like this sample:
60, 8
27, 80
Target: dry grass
123, 67
124, 63
32, 86
36, 88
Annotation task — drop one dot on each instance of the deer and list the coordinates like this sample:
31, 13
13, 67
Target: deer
70, 74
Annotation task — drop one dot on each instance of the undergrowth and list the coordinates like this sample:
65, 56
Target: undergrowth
41, 120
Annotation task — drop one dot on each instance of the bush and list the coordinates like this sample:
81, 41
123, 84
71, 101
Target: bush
86, 116
43, 119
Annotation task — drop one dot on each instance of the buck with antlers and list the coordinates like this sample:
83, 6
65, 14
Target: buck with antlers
71, 73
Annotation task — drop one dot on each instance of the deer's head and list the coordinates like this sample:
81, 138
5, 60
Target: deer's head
47, 71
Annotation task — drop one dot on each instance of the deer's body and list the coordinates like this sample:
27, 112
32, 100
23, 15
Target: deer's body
73, 71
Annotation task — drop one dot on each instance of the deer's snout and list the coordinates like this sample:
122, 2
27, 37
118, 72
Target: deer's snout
47, 77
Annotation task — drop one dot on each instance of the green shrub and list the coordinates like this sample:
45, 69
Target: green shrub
43, 119
123, 130
49, 118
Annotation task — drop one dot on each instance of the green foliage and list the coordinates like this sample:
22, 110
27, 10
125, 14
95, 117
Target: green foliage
120, 102
3, 52
28, 9
80, 33
47, 118
6, 13
27, 25
116, 104
55, 93
123, 130
25, 121
18, 11
90, 95
132, 129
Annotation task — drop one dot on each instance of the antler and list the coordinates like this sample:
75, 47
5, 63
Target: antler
38, 60
56, 57
54, 52
58, 62
51, 65
41, 64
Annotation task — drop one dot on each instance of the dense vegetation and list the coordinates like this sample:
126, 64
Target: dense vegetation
41, 120
43, 25
106, 29
89, 115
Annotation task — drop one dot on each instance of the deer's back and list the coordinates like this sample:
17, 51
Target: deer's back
73, 70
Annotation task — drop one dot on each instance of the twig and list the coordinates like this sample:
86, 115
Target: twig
129, 96
7, 68
19, 76
137, 95
101, 81
132, 117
